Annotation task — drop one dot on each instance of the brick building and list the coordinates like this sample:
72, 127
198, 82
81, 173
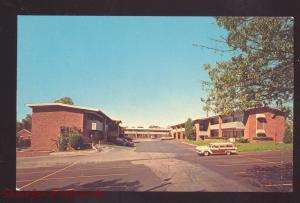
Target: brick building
256, 122
24, 134
137, 133
48, 119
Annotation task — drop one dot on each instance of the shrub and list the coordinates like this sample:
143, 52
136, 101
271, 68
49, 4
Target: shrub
62, 143
75, 141
23, 143
242, 140
263, 138
288, 134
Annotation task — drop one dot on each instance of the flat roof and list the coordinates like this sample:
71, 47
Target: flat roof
148, 129
70, 106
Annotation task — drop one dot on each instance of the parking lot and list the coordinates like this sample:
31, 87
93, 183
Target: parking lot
157, 166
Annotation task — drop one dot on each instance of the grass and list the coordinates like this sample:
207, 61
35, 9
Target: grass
247, 147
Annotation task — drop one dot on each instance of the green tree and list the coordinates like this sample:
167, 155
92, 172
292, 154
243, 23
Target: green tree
65, 100
261, 69
188, 129
27, 122
288, 134
19, 126
154, 126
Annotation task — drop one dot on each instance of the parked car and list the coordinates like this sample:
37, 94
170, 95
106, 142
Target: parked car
153, 137
128, 143
123, 142
126, 137
217, 148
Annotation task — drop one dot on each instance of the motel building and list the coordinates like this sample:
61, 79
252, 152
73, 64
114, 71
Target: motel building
252, 123
137, 133
50, 119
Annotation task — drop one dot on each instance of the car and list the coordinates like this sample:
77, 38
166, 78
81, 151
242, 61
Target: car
119, 141
153, 137
123, 142
128, 143
217, 148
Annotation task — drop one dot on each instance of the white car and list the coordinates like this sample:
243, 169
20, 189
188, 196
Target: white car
217, 148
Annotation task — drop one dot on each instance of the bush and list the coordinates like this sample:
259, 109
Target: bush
242, 140
288, 134
23, 143
263, 138
62, 143
75, 141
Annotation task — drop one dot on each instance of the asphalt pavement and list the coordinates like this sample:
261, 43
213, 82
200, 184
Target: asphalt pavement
155, 165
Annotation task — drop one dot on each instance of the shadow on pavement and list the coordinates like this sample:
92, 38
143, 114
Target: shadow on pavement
101, 185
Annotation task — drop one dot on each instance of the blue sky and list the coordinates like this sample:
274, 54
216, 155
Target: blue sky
141, 70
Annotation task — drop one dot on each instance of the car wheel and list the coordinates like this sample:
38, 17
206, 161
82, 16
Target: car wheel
228, 153
206, 153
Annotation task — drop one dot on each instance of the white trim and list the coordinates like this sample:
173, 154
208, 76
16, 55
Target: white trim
69, 106
64, 105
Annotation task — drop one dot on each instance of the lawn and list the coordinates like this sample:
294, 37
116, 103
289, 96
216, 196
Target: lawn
247, 147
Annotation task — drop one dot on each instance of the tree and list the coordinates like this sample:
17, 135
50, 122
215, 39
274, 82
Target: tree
65, 100
154, 126
260, 72
19, 126
188, 129
27, 122
288, 134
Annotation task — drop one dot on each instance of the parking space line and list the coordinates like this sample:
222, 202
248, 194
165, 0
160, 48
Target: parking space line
276, 185
44, 177
77, 169
91, 176
253, 163
270, 162
70, 177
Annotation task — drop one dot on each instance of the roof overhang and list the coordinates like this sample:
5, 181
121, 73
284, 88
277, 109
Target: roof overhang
93, 110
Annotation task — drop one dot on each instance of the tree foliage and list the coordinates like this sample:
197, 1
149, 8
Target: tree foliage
25, 123
188, 128
288, 134
65, 100
154, 126
260, 73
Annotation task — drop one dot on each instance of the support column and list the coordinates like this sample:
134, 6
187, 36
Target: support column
181, 133
220, 125
208, 129
105, 130
197, 126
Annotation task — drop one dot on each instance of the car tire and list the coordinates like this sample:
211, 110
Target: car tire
206, 153
228, 153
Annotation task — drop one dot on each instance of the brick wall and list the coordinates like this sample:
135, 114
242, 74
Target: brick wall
274, 126
46, 123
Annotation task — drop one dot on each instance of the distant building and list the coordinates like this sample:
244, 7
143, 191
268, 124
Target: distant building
49, 119
256, 122
137, 133
24, 134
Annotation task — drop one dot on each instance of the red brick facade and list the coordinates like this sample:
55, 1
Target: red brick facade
46, 123
25, 134
274, 125
264, 120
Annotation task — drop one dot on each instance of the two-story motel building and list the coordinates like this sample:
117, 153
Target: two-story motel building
137, 133
49, 119
251, 123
